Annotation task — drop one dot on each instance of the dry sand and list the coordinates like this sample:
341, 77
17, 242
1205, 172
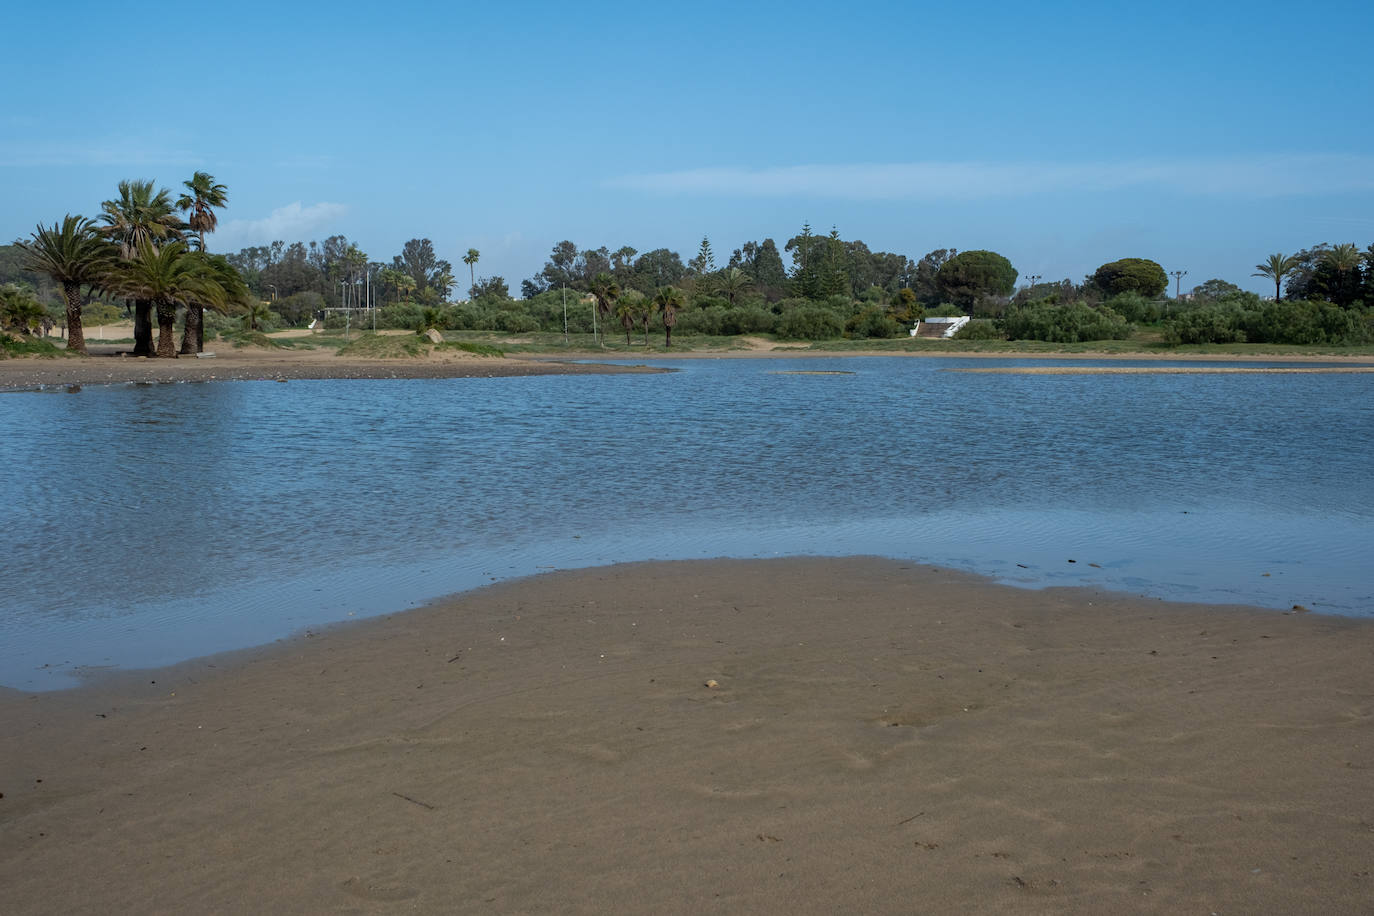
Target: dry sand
881, 738
104, 366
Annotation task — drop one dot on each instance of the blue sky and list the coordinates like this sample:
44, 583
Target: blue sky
1063, 135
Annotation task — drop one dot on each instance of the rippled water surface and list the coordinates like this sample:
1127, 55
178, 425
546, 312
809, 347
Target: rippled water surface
147, 524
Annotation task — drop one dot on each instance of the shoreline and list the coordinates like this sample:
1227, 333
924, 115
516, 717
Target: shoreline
273, 365
878, 732
249, 364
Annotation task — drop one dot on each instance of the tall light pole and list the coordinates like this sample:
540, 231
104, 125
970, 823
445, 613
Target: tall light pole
1030, 290
1178, 276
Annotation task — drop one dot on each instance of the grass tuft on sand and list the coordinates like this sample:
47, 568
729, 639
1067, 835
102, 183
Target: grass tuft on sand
239, 339
476, 349
28, 346
377, 346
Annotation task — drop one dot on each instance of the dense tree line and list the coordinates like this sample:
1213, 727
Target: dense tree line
813, 286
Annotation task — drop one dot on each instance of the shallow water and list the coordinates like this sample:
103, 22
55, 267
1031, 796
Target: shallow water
146, 524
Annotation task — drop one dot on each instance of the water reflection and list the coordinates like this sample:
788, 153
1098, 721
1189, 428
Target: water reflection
147, 523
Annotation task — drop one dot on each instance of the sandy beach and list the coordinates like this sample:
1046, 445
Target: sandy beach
803, 735
104, 367
109, 364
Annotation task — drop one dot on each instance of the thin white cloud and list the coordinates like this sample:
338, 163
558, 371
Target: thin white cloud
1259, 176
106, 152
290, 223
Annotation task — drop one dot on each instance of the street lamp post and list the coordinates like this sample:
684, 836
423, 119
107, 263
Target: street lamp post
1030, 290
1178, 276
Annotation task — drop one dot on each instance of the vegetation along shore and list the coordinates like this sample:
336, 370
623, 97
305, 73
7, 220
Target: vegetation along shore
144, 258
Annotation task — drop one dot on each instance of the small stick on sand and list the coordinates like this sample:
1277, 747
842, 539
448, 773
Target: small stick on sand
413, 801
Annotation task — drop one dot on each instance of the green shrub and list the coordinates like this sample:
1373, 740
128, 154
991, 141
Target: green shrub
1136, 308
979, 329
709, 300
1217, 323
873, 322
299, 307
398, 316
787, 305
810, 322
513, 322
1306, 322
1064, 323
26, 346
839, 304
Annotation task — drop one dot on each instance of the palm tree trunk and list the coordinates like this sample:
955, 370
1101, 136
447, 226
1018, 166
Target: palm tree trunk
76, 337
1278, 288
166, 331
143, 327
195, 325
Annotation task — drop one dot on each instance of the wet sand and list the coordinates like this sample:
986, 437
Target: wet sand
806, 735
105, 365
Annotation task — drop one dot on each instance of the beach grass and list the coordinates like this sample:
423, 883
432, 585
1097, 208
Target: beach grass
28, 346
254, 339
473, 347
376, 346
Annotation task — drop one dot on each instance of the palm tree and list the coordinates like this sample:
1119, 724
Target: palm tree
256, 312
165, 277
19, 310
647, 309
140, 216
605, 290
470, 259
73, 254
668, 299
431, 319
201, 202
205, 195
731, 282
1276, 268
227, 288
1343, 259
628, 314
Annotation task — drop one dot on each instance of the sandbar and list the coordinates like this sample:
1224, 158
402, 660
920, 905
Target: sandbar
765, 736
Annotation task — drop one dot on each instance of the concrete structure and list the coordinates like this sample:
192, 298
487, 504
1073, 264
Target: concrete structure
939, 327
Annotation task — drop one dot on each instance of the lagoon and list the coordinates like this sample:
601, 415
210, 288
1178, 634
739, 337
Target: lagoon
147, 524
